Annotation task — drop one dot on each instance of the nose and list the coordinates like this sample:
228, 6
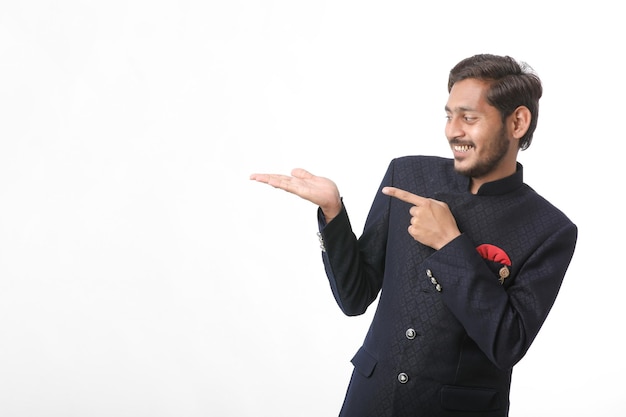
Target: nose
453, 128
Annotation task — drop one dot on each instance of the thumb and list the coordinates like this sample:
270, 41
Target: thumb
301, 173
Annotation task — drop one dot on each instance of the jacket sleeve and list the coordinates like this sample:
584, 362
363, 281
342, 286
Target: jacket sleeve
502, 321
355, 267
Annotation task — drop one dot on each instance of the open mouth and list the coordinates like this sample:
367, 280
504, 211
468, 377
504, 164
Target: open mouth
462, 148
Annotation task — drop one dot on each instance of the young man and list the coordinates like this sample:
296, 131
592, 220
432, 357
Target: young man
467, 259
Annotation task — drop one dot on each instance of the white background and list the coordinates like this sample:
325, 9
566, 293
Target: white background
143, 274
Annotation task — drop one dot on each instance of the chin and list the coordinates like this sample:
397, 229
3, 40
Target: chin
462, 168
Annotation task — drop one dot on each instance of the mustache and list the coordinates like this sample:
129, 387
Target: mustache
460, 142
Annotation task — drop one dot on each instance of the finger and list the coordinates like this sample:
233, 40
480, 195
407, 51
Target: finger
301, 173
275, 180
405, 196
259, 177
265, 178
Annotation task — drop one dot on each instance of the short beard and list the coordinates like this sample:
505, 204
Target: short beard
495, 154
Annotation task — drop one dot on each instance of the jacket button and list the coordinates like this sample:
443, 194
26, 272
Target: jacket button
321, 239
410, 334
403, 378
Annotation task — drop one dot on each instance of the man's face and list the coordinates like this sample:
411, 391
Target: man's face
479, 141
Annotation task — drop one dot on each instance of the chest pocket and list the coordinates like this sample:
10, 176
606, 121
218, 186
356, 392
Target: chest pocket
501, 272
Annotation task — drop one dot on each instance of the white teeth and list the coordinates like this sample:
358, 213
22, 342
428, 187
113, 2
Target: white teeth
462, 148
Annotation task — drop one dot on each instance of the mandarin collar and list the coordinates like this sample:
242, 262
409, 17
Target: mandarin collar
501, 186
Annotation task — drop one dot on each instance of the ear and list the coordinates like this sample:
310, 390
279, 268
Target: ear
519, 122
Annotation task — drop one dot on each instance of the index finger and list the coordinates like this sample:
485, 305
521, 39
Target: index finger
405, 196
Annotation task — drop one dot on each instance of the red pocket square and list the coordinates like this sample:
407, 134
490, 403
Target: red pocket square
493, 253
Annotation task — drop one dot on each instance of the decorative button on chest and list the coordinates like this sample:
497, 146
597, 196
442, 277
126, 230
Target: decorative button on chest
403, 378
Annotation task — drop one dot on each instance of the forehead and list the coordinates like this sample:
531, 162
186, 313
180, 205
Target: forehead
469, 94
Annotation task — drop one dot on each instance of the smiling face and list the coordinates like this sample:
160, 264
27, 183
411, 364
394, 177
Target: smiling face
481, 143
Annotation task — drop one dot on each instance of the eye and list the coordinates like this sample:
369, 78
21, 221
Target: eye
469, 119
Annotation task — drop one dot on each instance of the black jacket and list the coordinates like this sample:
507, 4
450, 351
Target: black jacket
450, 324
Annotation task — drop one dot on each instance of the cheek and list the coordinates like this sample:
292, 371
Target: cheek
481, 138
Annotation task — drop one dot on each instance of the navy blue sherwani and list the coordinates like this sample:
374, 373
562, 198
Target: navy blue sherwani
450, 324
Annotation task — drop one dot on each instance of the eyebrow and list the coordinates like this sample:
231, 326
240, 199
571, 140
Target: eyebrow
459, 108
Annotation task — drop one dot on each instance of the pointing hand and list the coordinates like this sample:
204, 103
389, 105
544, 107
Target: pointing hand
432, 222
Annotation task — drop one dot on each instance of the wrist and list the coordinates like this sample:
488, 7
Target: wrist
331, 211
